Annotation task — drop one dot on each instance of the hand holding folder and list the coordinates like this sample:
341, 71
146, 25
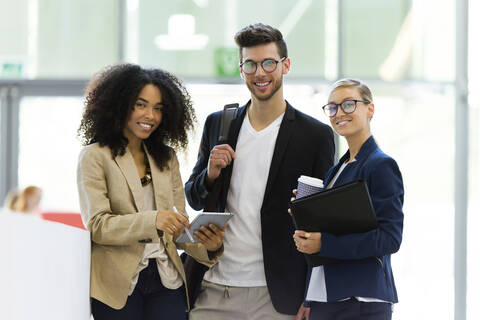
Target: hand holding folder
341, 210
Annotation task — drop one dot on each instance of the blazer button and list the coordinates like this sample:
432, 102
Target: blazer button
148, 240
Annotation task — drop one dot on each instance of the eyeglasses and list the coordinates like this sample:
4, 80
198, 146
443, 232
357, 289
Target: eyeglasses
348, 106
268, 65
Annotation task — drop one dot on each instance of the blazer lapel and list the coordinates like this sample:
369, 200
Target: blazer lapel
333, 172
129, 170
159, 183
284, 133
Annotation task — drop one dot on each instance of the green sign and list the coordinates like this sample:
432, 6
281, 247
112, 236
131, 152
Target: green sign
226, 62
11, 70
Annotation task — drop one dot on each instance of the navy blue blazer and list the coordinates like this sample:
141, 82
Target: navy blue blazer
365, 269
304, 146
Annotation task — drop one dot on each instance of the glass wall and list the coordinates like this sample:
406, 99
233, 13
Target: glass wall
396, 40
195, 38
389, 40
422, 143
49, 149
57, 39
366, 47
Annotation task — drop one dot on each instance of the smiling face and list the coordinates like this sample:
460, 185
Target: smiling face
146, 115
352, 124
264, 85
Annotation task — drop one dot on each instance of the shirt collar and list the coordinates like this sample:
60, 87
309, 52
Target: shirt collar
368, 146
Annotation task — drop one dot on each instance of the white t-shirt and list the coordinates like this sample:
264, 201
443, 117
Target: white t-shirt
241, 264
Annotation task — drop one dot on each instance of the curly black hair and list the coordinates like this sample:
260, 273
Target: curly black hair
110, 99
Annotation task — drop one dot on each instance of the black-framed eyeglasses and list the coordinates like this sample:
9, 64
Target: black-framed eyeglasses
268, 65
348, 106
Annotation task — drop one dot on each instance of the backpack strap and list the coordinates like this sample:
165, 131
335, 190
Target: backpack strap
229, 113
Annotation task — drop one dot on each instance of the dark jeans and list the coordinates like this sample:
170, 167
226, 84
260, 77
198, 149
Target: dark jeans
350, 309
150, 300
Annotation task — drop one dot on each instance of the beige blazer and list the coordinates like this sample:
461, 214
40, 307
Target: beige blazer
111, 203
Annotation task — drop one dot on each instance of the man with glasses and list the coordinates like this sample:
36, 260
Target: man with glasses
270, 144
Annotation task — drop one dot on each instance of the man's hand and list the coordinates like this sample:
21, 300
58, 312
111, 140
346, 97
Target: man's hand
211, 237
220, 157
308, 242
303, 313
171, 222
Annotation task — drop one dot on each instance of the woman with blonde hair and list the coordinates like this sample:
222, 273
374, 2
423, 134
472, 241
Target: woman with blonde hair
360, 285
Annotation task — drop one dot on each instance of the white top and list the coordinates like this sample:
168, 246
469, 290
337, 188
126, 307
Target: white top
169, 276
317, 290
241, 264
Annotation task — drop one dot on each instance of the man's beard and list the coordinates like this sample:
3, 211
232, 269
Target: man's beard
251, 87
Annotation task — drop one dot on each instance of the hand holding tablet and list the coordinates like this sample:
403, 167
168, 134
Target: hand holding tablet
204, 219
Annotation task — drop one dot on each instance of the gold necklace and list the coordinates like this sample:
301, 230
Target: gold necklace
147, 178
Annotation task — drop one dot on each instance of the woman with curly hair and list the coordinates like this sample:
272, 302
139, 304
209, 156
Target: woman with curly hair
130, 189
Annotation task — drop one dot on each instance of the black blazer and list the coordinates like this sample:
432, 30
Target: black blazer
304, 146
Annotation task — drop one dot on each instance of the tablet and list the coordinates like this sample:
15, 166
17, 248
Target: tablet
204, 219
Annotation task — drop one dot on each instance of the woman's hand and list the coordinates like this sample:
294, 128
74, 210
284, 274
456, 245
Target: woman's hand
171, 222
308, 242
303, 313
211, 237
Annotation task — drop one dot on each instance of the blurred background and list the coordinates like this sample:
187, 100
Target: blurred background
417, 56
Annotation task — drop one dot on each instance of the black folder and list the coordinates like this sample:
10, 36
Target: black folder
341, 210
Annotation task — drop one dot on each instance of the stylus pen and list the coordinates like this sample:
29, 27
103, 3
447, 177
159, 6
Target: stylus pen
185, 228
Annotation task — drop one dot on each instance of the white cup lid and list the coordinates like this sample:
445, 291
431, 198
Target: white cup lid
315, 182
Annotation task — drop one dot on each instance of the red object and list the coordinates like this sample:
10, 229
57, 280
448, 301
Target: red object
69, 218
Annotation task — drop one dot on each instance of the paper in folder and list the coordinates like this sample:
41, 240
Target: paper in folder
341, 210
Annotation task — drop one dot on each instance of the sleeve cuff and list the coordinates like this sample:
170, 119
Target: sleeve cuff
214, 255
204, 190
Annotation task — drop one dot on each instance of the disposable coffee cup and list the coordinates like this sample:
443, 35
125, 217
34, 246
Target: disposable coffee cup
308, 185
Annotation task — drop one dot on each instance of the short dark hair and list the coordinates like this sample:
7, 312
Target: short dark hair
110, 99
259, 33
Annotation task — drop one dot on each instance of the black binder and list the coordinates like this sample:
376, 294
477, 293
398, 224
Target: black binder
341, 210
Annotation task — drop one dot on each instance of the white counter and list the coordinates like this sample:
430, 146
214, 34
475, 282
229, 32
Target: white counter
44, 269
